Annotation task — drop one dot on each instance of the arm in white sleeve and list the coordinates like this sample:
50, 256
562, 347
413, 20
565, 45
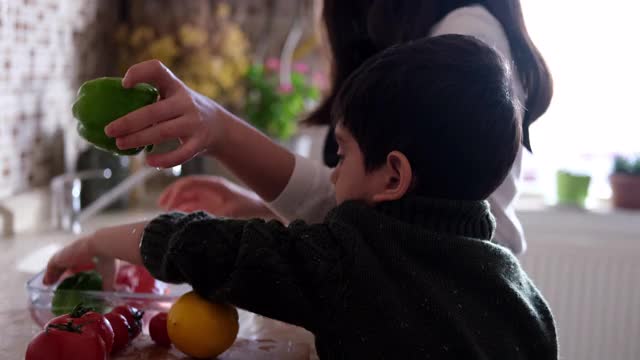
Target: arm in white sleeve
478, 22
309, 194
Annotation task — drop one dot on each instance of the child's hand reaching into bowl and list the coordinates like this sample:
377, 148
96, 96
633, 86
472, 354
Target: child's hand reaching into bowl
78, 255
102, 247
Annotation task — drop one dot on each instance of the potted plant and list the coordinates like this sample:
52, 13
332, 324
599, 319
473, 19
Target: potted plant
273, 105
625, 182
572, 188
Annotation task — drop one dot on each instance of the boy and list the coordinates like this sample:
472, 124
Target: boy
404, 267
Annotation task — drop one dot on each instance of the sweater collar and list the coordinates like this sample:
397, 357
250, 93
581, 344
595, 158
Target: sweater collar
455, 217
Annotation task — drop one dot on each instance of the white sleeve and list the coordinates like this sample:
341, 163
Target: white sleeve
309, 195
478, 22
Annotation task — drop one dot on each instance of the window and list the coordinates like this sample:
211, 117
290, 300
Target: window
593, 51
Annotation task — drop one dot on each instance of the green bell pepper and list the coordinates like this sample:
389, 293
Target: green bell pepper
69, 293
103, 100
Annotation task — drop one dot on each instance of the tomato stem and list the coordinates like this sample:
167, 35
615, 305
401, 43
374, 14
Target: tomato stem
68, 326
137, 314
80, 310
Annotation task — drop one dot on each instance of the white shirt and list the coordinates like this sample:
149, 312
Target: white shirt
310, 195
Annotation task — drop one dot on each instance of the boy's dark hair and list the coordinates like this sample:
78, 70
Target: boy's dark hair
445, 102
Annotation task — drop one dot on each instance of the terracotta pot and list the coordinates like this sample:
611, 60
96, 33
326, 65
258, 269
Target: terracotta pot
626, 191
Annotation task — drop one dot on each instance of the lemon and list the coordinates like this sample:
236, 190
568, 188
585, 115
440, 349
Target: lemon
200, 328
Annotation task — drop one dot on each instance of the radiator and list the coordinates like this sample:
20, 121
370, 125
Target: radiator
590, 276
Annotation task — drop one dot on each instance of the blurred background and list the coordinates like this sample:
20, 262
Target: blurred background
49, 48
581, 184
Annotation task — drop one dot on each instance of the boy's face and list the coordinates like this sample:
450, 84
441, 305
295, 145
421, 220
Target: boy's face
351, 180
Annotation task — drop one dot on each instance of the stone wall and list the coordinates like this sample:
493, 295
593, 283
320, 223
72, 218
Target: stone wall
46, 48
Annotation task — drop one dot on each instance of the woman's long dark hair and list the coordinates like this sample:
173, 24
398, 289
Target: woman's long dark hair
358, 29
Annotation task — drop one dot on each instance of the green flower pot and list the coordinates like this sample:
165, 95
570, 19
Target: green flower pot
572, 188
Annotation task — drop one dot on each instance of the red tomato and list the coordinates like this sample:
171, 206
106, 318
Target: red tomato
121, 330
137, 279
134, 318
88, 321
158, 330
66, 342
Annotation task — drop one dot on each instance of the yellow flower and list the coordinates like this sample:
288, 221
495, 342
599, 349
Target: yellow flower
226, 77
216, 65
210, 89
191, 36
206, 88
233, 43
242, 65
141, 36
198, 63
223, 11
164, 49
211, 61
236, 96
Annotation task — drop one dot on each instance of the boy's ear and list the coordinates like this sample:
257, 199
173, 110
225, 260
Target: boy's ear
398, 177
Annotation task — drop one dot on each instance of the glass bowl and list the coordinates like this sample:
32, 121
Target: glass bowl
40, 299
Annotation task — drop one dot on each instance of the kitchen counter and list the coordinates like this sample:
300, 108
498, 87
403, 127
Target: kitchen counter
22, 256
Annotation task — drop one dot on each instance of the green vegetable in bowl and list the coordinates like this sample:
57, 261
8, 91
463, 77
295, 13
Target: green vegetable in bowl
69, 293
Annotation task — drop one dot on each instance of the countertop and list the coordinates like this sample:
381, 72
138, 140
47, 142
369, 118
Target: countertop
22, 256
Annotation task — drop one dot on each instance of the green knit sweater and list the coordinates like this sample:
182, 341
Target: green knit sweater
411, 279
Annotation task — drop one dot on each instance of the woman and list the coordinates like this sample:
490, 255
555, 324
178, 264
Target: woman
297, 188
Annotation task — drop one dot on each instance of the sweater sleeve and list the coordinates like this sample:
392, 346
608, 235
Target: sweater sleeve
286, 273
309, 195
